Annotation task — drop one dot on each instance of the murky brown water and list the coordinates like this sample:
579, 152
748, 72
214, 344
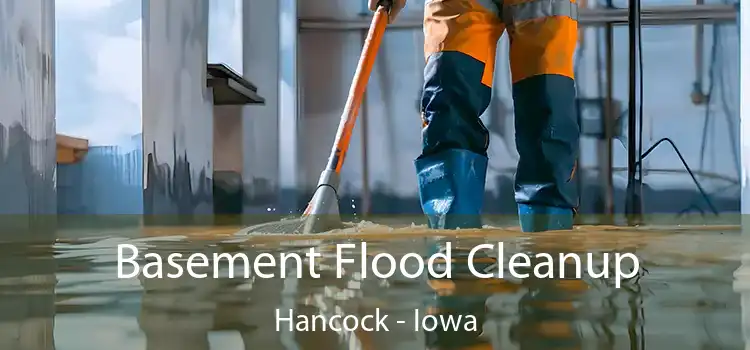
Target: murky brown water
67, 296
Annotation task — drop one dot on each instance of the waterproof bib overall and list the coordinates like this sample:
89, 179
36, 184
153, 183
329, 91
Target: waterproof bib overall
461, 39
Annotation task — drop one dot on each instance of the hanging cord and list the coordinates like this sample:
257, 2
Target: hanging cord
716, 76
724, 88
709, 94
687, 168
640, 96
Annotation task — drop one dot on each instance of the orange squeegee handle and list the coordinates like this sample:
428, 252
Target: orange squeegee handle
357, 89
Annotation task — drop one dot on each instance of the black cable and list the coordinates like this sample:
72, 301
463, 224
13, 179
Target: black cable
640, 95
693, 206
690, 172
632, 204
687, 168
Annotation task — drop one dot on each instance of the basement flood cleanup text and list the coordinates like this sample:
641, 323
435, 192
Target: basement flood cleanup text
348, 260
132, 263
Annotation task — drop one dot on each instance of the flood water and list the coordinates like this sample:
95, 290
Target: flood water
67, 295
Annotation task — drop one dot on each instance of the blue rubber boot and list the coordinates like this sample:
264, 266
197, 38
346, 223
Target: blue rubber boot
451, 188
538, 218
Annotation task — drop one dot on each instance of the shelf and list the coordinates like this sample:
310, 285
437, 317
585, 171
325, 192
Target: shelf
70, 150
230, 88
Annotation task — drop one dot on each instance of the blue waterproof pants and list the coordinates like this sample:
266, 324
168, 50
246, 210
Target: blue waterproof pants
460, 46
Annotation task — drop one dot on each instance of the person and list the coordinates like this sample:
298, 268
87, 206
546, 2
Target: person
461, 39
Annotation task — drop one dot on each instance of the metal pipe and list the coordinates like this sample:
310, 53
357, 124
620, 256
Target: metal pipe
744, 98
662, 15
652, 15
699, 55
608, 123
366, 197
581, 49
633, 209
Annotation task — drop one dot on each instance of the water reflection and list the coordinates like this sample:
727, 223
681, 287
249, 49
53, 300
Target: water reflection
742, 287
27, 297
683, 299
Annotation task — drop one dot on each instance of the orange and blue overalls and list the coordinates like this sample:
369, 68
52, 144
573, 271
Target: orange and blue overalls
461, 39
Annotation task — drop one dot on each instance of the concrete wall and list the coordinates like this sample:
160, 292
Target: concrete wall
228, 138
225, 37
290, 127
261, 123
177, 109
228, 188
27, 116
742, 274
744, 101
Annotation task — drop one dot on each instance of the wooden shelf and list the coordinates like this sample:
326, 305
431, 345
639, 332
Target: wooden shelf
70, 149
230, 88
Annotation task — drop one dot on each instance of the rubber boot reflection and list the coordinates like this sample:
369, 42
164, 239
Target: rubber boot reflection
459, 307
547, 311
545, 316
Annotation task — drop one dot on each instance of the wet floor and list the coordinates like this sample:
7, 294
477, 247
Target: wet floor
67, 295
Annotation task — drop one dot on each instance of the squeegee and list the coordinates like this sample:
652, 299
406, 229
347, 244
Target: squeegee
322, 212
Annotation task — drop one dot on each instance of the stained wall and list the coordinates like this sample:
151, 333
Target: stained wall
27, 116
177, 110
